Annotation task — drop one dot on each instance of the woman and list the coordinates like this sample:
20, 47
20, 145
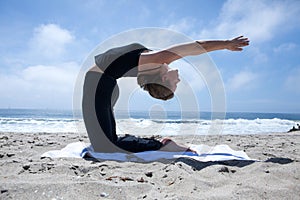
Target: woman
153, 74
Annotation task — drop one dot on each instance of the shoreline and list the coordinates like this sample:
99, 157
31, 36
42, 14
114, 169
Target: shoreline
24, 175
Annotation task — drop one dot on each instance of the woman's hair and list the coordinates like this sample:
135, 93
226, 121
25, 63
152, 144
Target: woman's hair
154, 85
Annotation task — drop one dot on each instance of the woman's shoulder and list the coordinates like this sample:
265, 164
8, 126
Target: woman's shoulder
95, 68
130, 47
120, 50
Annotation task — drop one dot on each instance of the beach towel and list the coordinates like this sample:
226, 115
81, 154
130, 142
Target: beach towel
204, 154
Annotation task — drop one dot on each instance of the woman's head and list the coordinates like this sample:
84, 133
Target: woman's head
161, 84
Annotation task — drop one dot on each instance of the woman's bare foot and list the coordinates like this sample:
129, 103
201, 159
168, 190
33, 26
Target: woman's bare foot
171, 146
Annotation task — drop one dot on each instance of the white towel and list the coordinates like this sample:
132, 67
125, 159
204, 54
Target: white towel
204, 154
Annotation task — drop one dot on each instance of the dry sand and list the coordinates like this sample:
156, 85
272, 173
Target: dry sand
25, 175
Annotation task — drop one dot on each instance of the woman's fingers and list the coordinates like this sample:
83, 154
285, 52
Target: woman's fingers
238, 37
241, 38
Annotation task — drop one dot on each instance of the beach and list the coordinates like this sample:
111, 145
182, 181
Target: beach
25, 175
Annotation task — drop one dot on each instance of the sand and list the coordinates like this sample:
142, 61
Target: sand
25, 175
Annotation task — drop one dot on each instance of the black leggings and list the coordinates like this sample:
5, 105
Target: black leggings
100, 94
107, 93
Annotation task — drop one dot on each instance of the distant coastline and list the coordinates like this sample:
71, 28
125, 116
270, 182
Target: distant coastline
144, 122
121, 114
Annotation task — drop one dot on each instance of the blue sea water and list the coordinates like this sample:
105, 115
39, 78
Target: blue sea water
60, 121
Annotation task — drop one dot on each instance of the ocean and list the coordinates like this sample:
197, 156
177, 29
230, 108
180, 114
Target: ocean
145, 123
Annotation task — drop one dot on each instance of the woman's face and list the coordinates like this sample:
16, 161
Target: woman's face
171, 76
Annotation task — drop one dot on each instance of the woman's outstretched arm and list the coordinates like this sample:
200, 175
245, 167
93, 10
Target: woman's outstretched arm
176, 52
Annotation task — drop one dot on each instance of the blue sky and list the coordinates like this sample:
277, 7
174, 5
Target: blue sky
44, 43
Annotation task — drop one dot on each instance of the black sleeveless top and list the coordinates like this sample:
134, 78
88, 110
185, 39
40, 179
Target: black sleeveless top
115, 63
120, 61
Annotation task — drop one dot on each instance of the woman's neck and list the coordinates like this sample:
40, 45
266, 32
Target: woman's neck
149, 68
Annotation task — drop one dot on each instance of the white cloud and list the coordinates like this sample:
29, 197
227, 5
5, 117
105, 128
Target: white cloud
183, 25
258, 20
39, 86
127, 87
50, 40
258, 55
243, 79
54, 77
285, 47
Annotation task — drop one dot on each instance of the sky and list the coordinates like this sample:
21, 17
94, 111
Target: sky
44, 45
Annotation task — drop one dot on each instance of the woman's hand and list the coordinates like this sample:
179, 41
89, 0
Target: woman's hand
237, 43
